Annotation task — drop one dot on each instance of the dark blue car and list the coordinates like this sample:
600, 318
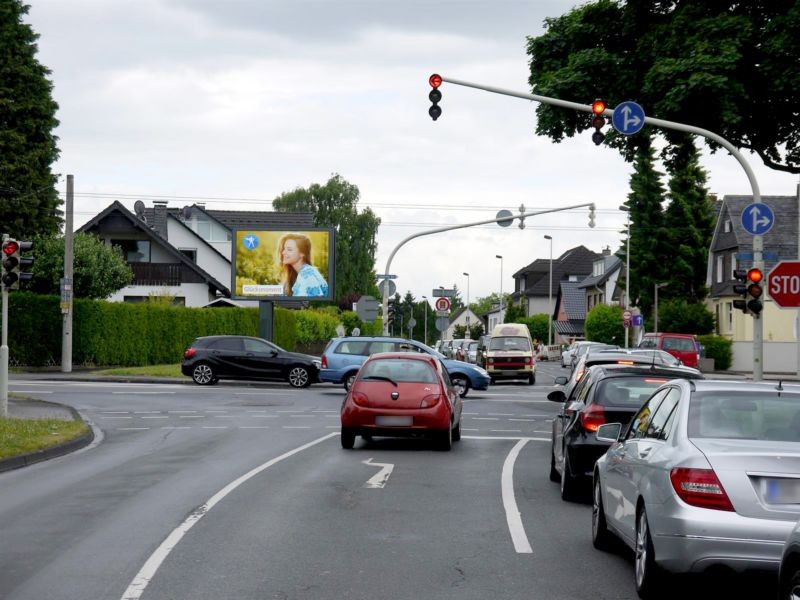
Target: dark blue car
344, 356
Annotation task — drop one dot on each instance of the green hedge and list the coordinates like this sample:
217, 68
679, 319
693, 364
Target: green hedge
719, 348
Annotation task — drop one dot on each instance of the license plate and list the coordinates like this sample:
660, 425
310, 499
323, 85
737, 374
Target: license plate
392, 421
783, 491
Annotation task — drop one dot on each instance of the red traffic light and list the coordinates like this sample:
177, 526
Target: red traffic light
435, 80
10, 248
755, 275
598, 106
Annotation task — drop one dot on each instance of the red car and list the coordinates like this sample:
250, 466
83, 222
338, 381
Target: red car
402, 395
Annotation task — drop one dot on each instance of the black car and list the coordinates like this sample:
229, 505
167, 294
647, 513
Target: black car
216, 357
607, 393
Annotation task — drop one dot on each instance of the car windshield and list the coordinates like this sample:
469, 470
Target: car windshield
510, 343
399, 370
770, 416
626, 391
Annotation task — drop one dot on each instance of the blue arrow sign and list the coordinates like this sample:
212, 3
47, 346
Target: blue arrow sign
757, 218
628, 118
250, 242
637, 321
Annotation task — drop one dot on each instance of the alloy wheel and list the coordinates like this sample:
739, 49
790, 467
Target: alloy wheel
641, 549
203, 374
298, 377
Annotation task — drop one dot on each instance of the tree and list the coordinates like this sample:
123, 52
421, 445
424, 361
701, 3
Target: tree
481, 306
28, 198
604, 324
513, 312
335, 204
716, 65
680, 316
98, 270
537, 325
475, 331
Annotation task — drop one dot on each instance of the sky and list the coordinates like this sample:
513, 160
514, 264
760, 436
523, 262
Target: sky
233, 103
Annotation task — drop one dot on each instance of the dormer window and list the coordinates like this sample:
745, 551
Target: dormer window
598, 267
727, 227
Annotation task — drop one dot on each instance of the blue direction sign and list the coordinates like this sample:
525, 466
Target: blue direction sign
757, 218
628, 118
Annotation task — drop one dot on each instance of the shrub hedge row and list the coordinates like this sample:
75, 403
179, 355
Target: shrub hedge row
719, 348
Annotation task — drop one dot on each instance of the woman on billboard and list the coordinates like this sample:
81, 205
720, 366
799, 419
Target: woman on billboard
298, 274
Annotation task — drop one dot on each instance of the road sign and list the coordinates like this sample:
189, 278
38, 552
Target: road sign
442, 323
783, 284
637, 321
626, 315
391, 285
443, 304
443, 293
757, 218
502, 214
367, 308
382, 276
626, 323
442, 313
628, 118
411, 322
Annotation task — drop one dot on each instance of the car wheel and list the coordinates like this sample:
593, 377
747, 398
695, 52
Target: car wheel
647, 572
569, 483
554, 476
457, 432
348, 439
349, 379
791, 589
446, 439
299, 377
601, 536
461, 384
203, 374
531, 379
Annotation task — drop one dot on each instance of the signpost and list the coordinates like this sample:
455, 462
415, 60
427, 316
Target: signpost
757, 218
387, 288
783, 284
443, 293
628, 118
443, 304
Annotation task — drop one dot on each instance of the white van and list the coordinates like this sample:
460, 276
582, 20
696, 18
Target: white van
510, 353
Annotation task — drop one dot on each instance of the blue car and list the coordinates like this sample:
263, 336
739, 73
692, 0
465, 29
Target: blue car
344, 356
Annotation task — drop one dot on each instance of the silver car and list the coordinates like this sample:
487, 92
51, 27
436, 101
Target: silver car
706, 474
790, 568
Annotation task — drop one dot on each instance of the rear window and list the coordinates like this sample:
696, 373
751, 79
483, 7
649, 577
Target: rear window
678, 344
745, 415
510, 343
358, 347
626, 391
399, 370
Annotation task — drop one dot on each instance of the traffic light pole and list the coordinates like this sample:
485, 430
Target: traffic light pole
521, 215
4, 351
758, 242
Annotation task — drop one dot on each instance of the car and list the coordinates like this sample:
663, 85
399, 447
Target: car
457, 349
211, 358
510, 353
705, 476
606, 393
566, 355
590, 347
343, 357
789, 574
402, 394
681, 345
472, 353
480, 354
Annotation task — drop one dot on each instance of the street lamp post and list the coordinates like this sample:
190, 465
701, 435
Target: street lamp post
627, 298
500, 313
467, 276
657, 286
550, 296
426, 320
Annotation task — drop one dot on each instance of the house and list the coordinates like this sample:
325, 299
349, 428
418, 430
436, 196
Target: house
731, 249
463, 317
184, 253
570, 312
601, 286
495, 316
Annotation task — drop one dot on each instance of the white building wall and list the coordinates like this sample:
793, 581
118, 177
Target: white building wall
539, 305
208, 260
194, 294
461, 320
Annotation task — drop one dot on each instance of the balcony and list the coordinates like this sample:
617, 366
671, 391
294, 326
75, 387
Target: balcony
156, 273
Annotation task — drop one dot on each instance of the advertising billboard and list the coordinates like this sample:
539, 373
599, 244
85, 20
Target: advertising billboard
283, 264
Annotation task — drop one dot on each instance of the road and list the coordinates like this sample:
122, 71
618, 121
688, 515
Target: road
243, 492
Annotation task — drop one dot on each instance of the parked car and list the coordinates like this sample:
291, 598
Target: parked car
209, 359
402, 394
472, 353
480, 354
344, 356
789, 576
581, 350
566, 355
457, 349
681, 345
606, 393
704, 476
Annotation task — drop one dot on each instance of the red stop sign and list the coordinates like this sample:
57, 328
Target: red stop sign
783, 284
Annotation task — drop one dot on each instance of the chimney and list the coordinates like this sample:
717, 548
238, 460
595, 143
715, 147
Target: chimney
160, 217
607, 251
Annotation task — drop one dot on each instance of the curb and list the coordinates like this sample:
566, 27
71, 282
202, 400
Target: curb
30, 458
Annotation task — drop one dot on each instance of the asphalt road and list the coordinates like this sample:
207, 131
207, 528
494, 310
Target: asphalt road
244, 492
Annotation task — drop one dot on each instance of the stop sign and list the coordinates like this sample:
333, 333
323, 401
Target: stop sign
783, 284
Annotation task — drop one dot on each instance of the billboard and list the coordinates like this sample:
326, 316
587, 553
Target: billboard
283, 264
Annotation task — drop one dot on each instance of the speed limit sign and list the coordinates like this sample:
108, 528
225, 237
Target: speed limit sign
443, 304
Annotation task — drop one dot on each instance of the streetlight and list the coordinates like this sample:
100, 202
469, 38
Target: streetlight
550, 296
467, 276
426, 319
658, 286
627, 297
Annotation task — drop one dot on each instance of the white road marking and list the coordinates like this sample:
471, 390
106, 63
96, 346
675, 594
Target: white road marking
33, 391
157, 417
265, 416
515, 527
466, 413
296, 427
254, 427
257, 410
192, 417
485, 419
140, 582
114, 412
135, 393
223, 416
178, 412
500, 414
113, 417
215, 426
324, 411
300, 416
505, 430
215, 411
146, 412
132, 428
378, 480
175, 427
465, 429
294, 410
524, 420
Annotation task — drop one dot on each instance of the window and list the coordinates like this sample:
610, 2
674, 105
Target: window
727, 227
399, 370
729, 316
358, 348
376, 347
257, 346
190, 253
231, 344
770, 416
720, 268
662, 416
733, 266
678, 344
641, 421
134, 251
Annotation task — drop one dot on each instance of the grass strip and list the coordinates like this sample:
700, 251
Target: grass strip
149, 371
20, 436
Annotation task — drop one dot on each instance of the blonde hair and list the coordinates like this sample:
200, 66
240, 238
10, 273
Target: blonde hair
288, 274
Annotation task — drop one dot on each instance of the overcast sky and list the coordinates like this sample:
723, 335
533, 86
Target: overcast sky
241, 100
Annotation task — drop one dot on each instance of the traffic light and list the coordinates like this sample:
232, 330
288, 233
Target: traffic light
755, 291
741, 289
435, 111
14, 264
591, 215
598, 121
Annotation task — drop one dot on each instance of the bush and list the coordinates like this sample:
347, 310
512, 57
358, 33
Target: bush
314, 326
679, 316
718, 348
537, 325
604, 324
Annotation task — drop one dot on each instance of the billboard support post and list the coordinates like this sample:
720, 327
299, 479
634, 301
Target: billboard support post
265, 312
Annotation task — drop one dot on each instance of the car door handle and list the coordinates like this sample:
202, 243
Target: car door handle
645, 452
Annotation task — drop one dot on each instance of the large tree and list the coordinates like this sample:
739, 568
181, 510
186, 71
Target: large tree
727, 66
335, 204
29, 203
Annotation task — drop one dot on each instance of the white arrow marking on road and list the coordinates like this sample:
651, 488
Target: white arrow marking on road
379, 480
513, 518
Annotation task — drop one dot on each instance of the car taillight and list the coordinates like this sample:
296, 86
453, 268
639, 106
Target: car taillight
592, 417
324, 362
360, 398
578, 375
430, 400
700, 487
190, 352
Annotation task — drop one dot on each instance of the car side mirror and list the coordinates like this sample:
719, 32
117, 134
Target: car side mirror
561, 380
610, 432
274, 353
557, 396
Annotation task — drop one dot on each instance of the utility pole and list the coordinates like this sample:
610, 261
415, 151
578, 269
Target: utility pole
66, 283
4, 351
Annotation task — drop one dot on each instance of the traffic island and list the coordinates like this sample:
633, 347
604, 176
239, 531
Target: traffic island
36, 430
